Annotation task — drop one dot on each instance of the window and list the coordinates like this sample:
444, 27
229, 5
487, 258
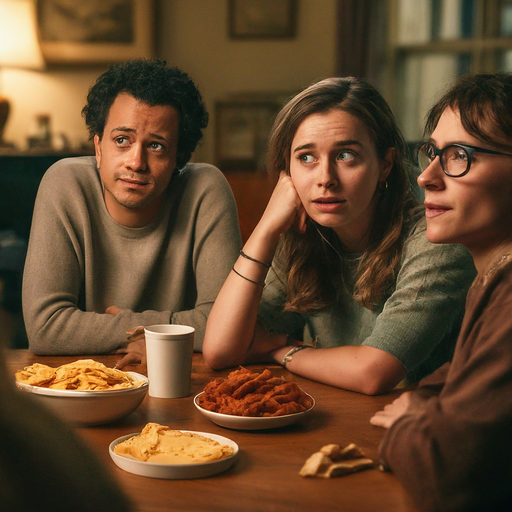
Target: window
430, 42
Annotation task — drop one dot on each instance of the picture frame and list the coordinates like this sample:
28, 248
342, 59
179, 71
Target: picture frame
95, 31
242, 126
262, 19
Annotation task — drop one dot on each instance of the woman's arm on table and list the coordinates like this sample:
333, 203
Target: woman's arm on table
364, 369
421, 313
232, 321
421, 316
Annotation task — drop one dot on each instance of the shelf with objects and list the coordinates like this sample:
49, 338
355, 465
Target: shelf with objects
430, 42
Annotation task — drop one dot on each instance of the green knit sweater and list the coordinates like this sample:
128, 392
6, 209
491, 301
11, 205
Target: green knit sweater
418, 322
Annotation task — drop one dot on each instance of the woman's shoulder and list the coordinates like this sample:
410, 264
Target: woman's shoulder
492, 291
415, 221
500, 271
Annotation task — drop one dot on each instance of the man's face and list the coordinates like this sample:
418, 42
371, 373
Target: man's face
136, 157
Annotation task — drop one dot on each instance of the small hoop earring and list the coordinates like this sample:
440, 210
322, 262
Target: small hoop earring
383, 185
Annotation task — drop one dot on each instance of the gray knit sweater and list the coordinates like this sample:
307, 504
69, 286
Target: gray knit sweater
80, 261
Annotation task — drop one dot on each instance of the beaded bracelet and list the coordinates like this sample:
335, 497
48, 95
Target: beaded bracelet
246, 278
266, 265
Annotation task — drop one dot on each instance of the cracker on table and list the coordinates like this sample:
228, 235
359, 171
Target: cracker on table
332, 460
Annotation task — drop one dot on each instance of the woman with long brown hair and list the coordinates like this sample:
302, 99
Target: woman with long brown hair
355, 295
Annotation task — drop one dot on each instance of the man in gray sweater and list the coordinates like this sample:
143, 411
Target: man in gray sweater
135, 235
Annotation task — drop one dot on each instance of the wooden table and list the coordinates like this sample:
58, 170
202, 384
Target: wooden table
266, 476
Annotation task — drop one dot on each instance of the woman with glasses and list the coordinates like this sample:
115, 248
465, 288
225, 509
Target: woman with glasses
450, 442
344, 247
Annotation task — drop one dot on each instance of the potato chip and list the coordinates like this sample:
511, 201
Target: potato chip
36, 375
332, 460
81, 375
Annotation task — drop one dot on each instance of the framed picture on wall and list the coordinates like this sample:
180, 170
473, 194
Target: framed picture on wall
95, 31
242, 126
251, 19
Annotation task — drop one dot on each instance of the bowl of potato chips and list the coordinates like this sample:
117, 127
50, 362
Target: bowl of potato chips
84, 392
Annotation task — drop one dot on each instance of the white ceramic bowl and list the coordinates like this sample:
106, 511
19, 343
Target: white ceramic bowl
87, 408
175, 471
252, 422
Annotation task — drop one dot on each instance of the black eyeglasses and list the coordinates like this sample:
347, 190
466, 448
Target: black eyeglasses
455, 159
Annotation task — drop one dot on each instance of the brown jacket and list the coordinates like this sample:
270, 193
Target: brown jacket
453, 448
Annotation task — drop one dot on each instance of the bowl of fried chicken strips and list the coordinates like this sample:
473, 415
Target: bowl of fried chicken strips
84, 392
248, 400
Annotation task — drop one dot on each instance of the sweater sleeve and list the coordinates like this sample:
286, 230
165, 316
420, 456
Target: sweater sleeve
419, 322
55, 284
454, 452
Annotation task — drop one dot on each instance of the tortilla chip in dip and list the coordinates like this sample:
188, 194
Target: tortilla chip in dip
161, 444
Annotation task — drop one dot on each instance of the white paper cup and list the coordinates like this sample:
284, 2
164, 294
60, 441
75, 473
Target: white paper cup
169, 351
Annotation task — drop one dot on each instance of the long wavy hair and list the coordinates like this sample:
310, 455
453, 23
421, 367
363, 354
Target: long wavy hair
310, 263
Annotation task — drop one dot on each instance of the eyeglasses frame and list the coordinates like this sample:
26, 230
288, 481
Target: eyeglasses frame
470, 150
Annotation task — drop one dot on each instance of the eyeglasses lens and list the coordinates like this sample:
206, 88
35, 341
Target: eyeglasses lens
455, 160
425, 156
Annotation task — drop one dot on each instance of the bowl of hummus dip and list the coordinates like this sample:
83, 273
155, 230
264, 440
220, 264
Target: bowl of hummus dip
161, 452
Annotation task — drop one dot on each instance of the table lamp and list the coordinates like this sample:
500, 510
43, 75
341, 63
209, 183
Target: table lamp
19, 44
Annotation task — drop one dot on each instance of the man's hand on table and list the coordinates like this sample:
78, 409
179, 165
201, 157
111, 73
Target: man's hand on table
135, 349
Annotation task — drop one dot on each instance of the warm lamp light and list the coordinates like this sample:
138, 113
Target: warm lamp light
19, 44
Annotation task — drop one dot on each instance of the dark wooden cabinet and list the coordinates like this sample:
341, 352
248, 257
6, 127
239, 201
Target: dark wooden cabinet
20, 175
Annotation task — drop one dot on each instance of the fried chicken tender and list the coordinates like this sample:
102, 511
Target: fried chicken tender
247, 393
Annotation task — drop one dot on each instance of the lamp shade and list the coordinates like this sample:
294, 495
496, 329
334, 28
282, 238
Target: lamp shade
19, 43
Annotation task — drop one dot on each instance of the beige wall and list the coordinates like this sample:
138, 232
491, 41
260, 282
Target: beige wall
193, 35
60, 93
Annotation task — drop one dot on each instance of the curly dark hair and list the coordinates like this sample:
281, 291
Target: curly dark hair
153, 83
